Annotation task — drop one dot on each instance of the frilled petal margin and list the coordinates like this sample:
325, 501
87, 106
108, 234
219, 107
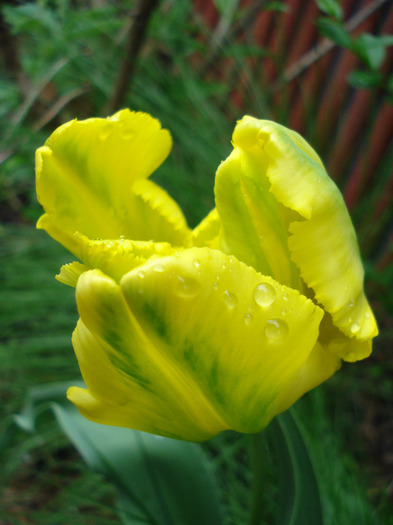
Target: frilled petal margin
192, 344
322, 241
114, 257
91, 178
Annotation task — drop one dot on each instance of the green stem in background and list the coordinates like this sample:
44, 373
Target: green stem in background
257, 453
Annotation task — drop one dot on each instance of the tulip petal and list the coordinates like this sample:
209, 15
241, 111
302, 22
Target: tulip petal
318, 367
207, 231
349, 349
70, 273
90, 177
116, 257
129, 382
251, 218
240, 336
322, 240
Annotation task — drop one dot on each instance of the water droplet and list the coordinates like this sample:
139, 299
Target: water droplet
141, 274
283, 311
196, 263
215, 286
128, 134
105, 132
230, 299
264, 294
350, 304
276, 329
186, 287
218, 277
158, 268
355, 327
248, 319
223, 266
367, 315
122, 237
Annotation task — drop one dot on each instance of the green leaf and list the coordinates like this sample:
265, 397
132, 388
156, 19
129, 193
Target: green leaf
364, 79
334, 31
160, 481
371, 49
299, 491
331, 8
281, 7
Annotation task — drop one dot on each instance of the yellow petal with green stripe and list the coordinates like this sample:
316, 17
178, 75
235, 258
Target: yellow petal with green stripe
130, 382
252, 226
240, 336
321, 238
91, 178
189, 345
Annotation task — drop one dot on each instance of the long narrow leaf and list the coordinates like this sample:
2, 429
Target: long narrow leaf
160, 481
300, 500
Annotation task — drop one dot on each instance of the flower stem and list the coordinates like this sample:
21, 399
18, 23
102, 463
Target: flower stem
257, 445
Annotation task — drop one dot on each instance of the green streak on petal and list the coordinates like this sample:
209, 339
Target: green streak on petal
239, 335
91, 178
150, 391
252, 225
321, 239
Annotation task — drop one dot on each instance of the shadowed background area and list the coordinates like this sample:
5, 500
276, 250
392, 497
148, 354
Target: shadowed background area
323, 68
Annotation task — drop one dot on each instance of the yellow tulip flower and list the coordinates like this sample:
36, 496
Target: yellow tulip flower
186, 333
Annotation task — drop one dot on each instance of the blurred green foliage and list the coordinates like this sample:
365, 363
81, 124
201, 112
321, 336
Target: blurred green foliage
370, 49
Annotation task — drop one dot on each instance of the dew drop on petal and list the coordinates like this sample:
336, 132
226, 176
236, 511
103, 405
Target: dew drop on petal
105, 132
186, 287
230, 299
196, 263
355, 327
128, 134
264, 294
215, 286
248, 319
276, 330
158, 268
141, 276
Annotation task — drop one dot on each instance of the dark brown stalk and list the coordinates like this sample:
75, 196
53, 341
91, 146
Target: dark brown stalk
135, 38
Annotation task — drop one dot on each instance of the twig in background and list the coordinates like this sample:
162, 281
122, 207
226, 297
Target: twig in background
20, 115
228, 33
135, 39
57, 107
324, 47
